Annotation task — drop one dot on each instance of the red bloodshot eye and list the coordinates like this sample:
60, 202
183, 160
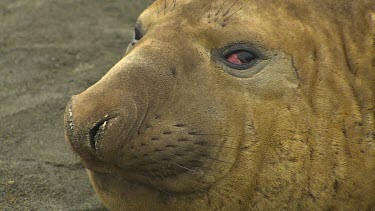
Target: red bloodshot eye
233, 58
240, 57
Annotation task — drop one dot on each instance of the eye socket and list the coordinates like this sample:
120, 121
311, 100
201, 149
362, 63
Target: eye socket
240, 57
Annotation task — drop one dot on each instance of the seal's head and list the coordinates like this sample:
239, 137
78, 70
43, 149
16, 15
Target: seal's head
234, 105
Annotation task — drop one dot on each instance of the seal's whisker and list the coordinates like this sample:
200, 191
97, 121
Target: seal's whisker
154, 174
209, 12
161, 176
181, 166
157, 6
197, 181
221, 190
155, 186
227, 18
202, 182
230, 8
226, 147
205, 183
165, 6
210, 134
218, 11
184, 167
218, 146
218, 160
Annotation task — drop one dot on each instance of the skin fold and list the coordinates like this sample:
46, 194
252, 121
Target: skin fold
172, 126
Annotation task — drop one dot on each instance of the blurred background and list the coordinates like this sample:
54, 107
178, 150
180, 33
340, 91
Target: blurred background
50, 50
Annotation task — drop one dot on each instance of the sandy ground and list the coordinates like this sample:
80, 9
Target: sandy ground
50, 50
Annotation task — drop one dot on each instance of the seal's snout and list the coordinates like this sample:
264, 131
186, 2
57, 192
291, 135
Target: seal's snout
95, 132
96, 129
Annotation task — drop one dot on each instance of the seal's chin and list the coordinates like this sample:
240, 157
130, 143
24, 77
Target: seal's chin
182, 183
177, 184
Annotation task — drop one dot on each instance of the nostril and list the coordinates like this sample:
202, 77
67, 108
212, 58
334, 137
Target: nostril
99, 128
94, 133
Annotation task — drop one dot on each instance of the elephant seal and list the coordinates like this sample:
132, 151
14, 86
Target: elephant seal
235, 105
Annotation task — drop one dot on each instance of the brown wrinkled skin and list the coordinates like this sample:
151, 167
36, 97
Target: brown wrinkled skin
171, 127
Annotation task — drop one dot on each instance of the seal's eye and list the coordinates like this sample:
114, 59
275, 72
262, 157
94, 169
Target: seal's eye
240, 57
242, 60
137, 34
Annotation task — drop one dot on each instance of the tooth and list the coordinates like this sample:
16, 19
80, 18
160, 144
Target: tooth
106, 116
105, 123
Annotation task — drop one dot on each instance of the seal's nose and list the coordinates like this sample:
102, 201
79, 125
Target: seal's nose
97, 127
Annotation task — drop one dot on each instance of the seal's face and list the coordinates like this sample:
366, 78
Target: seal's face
204, 98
